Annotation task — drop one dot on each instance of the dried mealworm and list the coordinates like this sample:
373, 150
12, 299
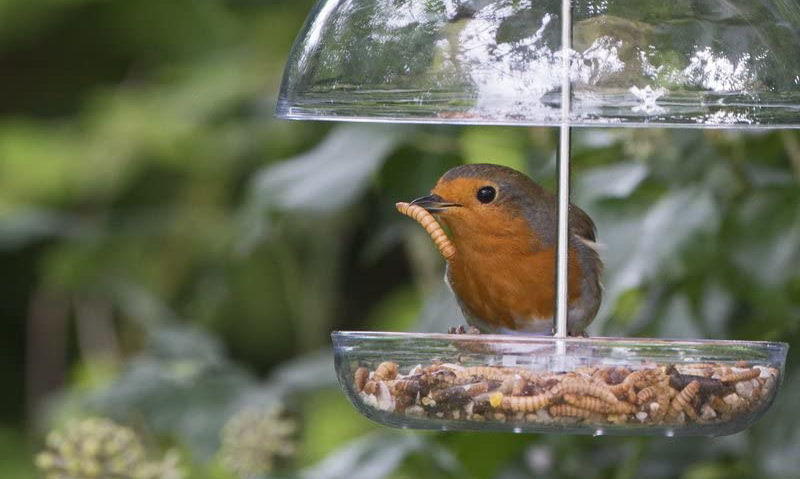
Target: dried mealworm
576, 386
432, 227
637, 379
460, 392
700, 365
683, 401
441, 375
360, 378
597, 405
507, 385
611, 375
476, 388
719, 405
707, 385
745, 375
456, 396
567, 410
663, 398
385, 371
371, 387
405, 386
486, 372
525, 403
646, 394
518, 386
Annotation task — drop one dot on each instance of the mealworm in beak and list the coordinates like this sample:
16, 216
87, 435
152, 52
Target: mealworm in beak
432, 227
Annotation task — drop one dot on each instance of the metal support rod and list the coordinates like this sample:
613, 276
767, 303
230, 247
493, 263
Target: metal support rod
562, 258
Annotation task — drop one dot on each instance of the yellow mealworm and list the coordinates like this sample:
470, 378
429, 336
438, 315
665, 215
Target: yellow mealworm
740, 376
700, 365
486, 372
602, 374
575, 386
597, 405
663, 397
518, 386
526, 374
525, 403
646, 394
567, 410
719, 405
507, 385
360, 378
432, 227
611, 375
683, 401
385, 371
638, 379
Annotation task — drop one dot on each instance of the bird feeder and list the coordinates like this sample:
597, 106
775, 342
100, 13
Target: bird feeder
589, 63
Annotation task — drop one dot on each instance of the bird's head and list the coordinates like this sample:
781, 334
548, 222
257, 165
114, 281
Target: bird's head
484, 199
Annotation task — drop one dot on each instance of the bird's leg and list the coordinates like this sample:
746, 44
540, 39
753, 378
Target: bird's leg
462, 330
571, 334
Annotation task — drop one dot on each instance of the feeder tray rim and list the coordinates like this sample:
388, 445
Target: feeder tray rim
513, 338
285, 114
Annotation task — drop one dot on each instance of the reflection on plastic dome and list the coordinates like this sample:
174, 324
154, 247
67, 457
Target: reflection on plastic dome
724, 63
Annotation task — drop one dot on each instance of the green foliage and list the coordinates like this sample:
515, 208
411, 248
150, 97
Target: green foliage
98, 448
254, 439
17, 461
212, 248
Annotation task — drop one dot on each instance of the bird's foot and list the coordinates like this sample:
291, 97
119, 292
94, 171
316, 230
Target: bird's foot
463, 330
577, 334
573, 334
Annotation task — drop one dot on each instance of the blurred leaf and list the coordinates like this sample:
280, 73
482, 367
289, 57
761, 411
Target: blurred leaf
777, 436
26, 225
440, 312
677, 321
329, 177
773, 241
397, 312
613, 181
308, 372
644, 247
502, 146
180, 386
374, 456
329, 421
17, 462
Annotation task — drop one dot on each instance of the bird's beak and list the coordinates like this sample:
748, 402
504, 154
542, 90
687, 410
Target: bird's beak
433, 203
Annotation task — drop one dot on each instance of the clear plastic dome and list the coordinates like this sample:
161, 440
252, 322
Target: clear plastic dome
720, 63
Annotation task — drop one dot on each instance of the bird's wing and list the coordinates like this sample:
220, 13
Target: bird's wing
581, 225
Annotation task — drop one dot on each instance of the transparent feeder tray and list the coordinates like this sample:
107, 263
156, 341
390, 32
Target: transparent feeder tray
544, 384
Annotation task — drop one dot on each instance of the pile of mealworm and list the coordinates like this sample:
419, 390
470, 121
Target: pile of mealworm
682, 394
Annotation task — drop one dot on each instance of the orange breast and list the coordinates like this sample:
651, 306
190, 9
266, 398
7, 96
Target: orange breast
505, 280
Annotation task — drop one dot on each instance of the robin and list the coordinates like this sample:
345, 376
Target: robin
504, 229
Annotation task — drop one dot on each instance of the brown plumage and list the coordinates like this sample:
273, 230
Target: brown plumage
503, 227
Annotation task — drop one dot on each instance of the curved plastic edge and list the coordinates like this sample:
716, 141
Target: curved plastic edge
405, 422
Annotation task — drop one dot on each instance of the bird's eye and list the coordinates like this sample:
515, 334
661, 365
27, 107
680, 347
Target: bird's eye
486, 194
